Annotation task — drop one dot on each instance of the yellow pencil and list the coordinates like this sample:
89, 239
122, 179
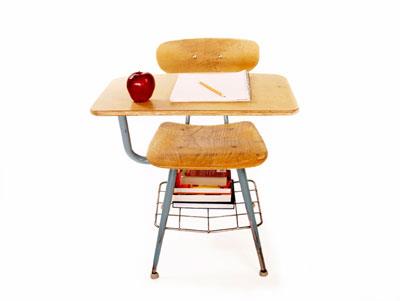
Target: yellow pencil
211, 89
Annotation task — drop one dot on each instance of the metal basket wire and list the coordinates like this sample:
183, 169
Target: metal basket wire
208, 220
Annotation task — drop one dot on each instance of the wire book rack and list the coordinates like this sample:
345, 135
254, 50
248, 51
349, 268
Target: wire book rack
208, 220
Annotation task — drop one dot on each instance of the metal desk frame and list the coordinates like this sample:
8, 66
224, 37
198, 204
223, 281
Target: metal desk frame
126, 139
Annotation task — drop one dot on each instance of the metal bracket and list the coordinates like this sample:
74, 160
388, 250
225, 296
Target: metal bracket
126, 139
187, 119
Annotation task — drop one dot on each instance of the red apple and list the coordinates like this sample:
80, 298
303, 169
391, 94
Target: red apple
140, 86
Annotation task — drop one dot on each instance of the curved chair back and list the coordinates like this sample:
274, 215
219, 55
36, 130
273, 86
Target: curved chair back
207, 55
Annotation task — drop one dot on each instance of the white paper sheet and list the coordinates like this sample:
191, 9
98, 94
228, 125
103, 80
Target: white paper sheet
233, 85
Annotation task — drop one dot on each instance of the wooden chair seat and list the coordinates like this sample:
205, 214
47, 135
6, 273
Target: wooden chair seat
234, 145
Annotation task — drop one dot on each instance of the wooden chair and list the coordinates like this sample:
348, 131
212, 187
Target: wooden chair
227, 146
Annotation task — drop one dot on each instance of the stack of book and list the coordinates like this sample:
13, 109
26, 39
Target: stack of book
203, 189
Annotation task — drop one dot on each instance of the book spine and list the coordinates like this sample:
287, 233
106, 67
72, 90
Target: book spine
201, 198
203, 206
201, 191
205, 181
196, 186
206, 173
178, 180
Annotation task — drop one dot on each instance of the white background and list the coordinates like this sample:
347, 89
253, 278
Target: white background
76, 213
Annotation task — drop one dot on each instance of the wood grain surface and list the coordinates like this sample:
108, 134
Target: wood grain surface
270, 95
207, 55
234, 145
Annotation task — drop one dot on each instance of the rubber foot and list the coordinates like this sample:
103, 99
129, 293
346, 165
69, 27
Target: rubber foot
263, 273
154, 275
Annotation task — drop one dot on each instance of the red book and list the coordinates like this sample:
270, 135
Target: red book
178, 181
207, 173
184, 181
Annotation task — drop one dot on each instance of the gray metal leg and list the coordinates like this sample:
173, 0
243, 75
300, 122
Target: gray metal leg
126, 139
163, 222
250, 213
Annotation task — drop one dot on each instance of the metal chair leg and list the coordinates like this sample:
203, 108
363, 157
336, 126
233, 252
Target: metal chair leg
163, 222
250, 213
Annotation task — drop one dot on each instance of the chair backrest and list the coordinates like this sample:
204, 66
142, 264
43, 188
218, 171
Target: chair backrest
207, 55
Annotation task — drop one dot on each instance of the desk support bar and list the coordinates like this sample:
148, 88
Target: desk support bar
187, 119
126, 139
